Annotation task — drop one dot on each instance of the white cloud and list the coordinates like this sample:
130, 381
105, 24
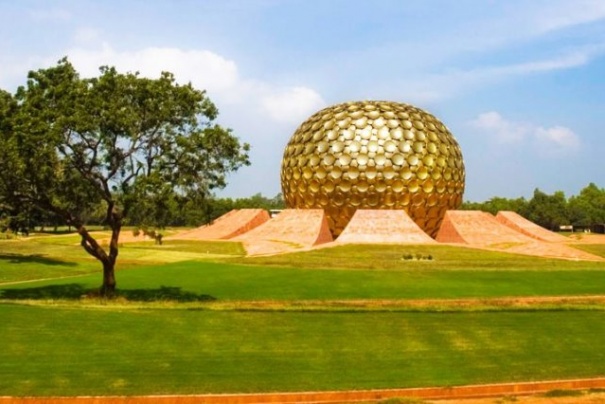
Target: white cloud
560, 15
450, 83
552, 140
577, 58
203, 68
559, 136
292, 104
522, 21
503, 130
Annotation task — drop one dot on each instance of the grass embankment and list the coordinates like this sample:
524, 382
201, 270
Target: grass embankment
204, 319
183, 281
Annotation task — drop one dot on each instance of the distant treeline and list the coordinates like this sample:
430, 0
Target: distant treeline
152, 214
552, 211
549, 211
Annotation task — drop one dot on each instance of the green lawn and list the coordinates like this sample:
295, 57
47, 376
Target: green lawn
57, 351
228, 248
186, 323
183, 280
30, 260
597, 249
61, 256
389, 257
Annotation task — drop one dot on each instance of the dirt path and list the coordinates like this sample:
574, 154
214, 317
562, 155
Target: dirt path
581, 391
587, 238
596, 302
569, 397
503, 303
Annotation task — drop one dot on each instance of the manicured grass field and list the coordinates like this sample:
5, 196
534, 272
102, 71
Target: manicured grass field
186, 320
390, 257
186, 280
29, 260
57, 351
61, 256
597, 249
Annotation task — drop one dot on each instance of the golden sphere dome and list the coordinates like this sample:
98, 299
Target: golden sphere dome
373, 155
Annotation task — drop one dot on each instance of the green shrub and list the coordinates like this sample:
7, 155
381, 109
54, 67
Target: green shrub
563, 393
416, 257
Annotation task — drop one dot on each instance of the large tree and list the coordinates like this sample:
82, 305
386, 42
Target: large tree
549, 211
128, 142
588, 207
8, 160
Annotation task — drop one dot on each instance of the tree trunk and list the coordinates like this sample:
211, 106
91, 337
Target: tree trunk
109, 280
108, 289
93, 248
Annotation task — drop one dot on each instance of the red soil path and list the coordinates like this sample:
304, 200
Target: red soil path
292, 229
452, 394
383, 226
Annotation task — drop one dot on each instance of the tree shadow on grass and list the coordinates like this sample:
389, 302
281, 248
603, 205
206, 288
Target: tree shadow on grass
75, 291
34, 259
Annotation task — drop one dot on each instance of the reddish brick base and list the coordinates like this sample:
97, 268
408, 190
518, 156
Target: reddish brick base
291, 230
482, 230
383, 226
530, 229
231, 224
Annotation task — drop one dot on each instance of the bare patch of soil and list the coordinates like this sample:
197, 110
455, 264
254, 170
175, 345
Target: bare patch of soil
580, 391
540, 302
587, 238
586, 397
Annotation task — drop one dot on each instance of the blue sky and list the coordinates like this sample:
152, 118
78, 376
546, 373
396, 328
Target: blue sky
520, 83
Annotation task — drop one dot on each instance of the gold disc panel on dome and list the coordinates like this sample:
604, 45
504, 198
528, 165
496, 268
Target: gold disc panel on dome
373, 155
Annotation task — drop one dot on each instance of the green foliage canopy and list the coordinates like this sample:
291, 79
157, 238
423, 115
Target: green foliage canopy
127, 142
552, 211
